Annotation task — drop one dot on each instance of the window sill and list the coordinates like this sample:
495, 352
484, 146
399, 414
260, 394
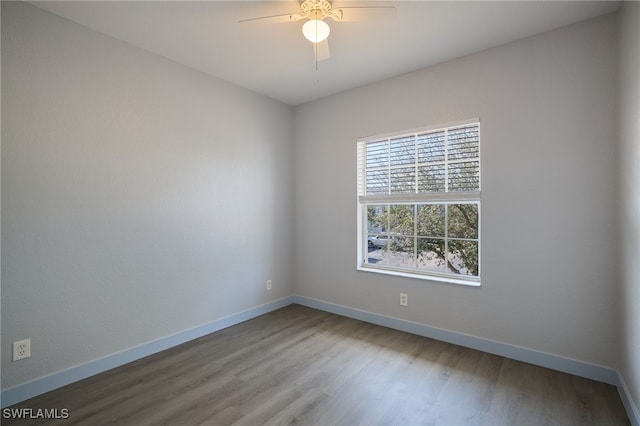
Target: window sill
442, 279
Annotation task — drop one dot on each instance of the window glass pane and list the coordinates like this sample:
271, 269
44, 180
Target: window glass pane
431, 178
431, 147
398, 253
463, 221
377, 241
377, 248
377, 154
431, 220
403, 180
377, 219
377, 182
464, 176
431, 255
401, 219
463, 257
463, 143
403, 151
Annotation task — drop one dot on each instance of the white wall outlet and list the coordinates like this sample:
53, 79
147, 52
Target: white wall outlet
404, 299
21, 349
268, 284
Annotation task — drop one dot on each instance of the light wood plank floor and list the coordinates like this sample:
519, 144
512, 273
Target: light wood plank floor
303, 366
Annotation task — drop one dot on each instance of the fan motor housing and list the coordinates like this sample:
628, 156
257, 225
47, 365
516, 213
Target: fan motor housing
312, 8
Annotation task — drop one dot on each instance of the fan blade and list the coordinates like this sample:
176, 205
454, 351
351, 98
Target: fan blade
275, 19
364, 13
321, 50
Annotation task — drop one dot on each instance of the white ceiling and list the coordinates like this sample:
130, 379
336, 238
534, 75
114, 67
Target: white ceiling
277, 61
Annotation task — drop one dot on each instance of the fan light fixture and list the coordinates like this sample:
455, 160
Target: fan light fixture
316, 12
316, 30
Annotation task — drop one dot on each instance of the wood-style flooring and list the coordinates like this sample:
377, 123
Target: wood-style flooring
302, 366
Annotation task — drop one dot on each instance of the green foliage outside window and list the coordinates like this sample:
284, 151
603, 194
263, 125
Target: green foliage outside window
447, 233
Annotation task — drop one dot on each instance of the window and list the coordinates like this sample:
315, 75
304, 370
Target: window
419, 203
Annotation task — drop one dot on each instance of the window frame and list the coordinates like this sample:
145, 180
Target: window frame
364, 200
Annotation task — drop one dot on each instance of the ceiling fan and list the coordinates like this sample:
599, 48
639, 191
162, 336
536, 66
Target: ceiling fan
316, 29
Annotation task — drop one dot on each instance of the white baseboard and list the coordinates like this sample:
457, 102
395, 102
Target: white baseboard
579, 368
61, 378
629, 405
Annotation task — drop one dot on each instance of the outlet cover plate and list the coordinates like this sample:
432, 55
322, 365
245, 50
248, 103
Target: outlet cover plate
404, 299
21, 349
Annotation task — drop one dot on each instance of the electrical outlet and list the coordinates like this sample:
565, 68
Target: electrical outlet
21, 349
268, 284
404, 299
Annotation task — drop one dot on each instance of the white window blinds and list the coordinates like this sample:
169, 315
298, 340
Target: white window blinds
444, 163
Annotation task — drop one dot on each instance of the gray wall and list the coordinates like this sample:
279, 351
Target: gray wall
547, 106
629, 111
140, 198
